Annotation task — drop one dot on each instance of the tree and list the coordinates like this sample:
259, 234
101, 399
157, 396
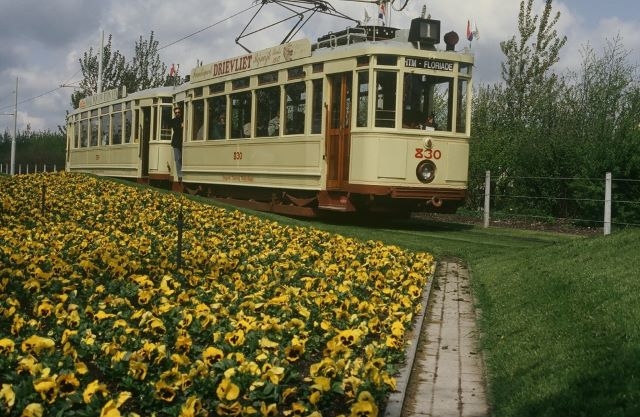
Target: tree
113, 70
146, 70
529, 59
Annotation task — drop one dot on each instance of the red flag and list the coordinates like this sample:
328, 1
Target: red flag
172, 71
469, 32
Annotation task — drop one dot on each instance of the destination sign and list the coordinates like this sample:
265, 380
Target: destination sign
272, 56
103, 97
428, 64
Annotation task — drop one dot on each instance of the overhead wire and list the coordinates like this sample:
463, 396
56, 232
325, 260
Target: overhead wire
66, 82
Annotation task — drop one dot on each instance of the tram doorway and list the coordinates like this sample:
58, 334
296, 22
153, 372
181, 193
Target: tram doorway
338, 140
145, 136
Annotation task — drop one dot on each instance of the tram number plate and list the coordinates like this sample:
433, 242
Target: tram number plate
422, 153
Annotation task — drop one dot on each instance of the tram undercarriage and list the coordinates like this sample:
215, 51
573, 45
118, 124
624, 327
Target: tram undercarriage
390, 201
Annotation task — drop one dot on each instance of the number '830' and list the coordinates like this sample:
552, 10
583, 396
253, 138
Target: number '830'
428, 153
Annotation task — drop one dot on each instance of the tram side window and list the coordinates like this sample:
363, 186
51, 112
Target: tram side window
363, 99
197, 120
386, 99
268, 112
166, 113
128, 122
241, 115
95, 132
217, 117
105, 128
116, 124
425, 96
84, 131
461, 122
296, 95
316, 108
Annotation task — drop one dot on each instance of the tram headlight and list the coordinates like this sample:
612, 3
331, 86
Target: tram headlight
426, 171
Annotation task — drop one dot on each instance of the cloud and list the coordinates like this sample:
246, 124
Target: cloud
43, 40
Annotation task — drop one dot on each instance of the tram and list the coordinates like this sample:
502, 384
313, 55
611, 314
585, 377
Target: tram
122, 135
372, 119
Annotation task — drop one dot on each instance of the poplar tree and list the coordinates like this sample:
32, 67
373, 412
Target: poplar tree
145, 70
529, 58
113, 70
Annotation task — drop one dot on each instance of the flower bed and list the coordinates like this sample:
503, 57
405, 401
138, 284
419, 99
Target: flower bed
261, 319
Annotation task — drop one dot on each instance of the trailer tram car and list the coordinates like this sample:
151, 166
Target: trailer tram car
125, 136
302, 129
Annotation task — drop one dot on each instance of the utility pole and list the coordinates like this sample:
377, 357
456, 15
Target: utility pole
100, 56
15, 133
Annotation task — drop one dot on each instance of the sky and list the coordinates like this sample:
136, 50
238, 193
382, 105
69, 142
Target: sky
41, 42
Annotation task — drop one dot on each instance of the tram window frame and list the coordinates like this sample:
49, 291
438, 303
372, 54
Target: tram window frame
268, 102
240, 104
385, 100
295, 73
216, 107
166, 114
363, 60
432, 96
462, 104
198, 131
84, 133
268, 78
387, 60
94, 126
217, 88
116, 124
317, 91
127, 127
362, 117
295, 106
240, 83
464, 68
105, 127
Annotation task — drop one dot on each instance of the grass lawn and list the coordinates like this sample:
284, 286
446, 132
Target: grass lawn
560, 314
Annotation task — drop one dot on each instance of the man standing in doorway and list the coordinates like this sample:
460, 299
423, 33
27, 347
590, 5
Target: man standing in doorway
176, 140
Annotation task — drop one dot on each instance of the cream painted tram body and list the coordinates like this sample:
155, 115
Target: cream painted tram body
119, 135
348, 137
335, 126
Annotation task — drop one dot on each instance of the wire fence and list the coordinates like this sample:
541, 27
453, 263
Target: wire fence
605, 202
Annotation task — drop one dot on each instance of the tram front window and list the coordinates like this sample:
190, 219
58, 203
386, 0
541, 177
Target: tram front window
424, 96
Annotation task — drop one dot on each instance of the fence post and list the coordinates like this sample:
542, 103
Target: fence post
607, 204
487, 199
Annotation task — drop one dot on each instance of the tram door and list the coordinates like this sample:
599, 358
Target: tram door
145, 136
339, 130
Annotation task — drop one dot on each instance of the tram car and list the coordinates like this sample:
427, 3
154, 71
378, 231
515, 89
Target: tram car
371, 119
122, 135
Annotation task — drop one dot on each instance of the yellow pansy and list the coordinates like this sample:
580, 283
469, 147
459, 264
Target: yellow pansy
67, 384
7, 396
211, 355
227, 390
92, 389
192, 408
36, 344
33, 410
6, 346
365, 406
47, 388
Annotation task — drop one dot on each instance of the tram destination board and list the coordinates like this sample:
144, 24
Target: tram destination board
425, 63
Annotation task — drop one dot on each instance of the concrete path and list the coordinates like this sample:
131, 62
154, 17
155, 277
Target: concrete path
446, 377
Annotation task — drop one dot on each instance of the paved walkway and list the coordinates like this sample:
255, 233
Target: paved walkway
447, 378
